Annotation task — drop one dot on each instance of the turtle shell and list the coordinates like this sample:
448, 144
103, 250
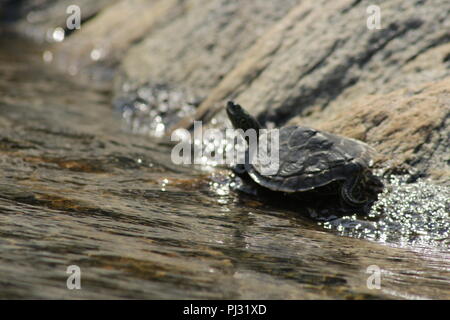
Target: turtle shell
309, 159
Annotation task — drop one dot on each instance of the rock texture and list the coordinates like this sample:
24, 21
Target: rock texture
199, 49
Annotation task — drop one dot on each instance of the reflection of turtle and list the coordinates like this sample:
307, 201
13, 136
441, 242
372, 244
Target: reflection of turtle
310, 159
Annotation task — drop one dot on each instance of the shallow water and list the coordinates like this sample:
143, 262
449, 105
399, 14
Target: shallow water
76, 189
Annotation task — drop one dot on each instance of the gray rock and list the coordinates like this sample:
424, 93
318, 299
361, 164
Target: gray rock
200, 48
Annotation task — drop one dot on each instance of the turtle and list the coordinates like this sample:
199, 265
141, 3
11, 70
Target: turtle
310, 159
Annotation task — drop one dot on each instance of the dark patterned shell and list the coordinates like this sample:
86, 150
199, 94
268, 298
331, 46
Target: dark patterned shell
310, 159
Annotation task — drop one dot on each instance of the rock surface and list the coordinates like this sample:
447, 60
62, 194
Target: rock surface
200, 48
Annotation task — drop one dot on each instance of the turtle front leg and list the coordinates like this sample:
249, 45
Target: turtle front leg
347, 189
239, 169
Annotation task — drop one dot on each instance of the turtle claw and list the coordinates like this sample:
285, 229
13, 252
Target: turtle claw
351, 201
347, 192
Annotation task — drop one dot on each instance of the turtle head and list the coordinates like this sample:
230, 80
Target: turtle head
240, 118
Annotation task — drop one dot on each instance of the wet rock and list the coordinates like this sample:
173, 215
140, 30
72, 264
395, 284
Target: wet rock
412, 212
151, 109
